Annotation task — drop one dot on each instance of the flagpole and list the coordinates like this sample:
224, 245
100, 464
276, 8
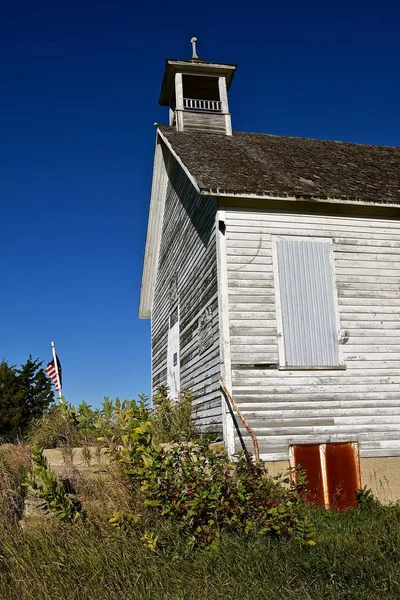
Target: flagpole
53, 347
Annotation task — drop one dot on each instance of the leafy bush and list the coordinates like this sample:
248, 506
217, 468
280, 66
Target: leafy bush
206, 494
56, 428
365, 498
44, 483
172, 420
64, 425
175, 475
356, 558
165, 498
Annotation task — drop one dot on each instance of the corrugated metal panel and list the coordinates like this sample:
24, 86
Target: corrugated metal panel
307, 458
307, 303
343, 475
332, 473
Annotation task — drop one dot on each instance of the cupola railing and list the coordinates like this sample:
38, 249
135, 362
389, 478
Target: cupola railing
206, 105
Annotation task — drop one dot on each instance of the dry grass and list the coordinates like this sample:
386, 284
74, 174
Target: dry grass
15, 462
103, 493
15, 458
356, 558
357, 555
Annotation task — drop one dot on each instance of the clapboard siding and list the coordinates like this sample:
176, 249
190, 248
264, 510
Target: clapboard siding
360, 402
188, 249
203, 122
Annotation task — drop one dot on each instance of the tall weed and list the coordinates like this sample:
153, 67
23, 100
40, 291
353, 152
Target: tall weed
168, 494
355, 558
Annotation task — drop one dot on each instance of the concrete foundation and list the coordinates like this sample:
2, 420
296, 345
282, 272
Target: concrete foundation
278, 467
382, 476
86, 460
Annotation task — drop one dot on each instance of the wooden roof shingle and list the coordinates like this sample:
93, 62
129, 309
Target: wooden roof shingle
262, 164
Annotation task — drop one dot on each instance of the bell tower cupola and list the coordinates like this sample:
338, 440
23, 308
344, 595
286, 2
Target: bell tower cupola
196, 92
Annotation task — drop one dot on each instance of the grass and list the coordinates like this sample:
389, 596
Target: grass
356, 557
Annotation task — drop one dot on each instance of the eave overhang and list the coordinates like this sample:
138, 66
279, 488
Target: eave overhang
154, 230
191, 66
282, 196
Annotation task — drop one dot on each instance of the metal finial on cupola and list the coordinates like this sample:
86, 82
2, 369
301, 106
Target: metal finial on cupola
194, 52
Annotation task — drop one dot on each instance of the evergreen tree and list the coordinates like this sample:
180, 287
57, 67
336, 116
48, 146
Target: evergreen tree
10, 401
35, 387
24, 394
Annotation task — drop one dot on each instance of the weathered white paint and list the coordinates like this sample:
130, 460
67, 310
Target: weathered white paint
179, 91
202, 122
360, 403
173, 361
224, 334
223, 94
187, 255
216, 119
153, 240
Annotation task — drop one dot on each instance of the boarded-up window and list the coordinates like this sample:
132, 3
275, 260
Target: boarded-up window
306, 298
173, 360
332, 473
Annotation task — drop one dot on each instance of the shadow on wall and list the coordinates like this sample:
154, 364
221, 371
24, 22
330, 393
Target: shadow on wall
201, 210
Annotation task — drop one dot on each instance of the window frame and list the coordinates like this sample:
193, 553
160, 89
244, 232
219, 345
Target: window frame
278, 304
174, 370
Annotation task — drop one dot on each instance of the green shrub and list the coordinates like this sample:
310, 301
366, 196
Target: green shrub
45, 485
204, 493
172, 420
365, 498
64, 425
56, 428
175, 475
356, 558
179, 522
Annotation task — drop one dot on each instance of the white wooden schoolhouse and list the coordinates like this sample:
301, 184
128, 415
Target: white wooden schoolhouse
272, 265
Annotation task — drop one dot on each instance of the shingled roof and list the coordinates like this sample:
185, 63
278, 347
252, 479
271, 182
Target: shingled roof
253, 163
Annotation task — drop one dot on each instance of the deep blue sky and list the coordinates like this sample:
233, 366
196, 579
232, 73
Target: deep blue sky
79, 85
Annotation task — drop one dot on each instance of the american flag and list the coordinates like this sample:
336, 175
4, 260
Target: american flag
51, 372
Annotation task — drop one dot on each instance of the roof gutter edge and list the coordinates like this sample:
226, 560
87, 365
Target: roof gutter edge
294, 198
